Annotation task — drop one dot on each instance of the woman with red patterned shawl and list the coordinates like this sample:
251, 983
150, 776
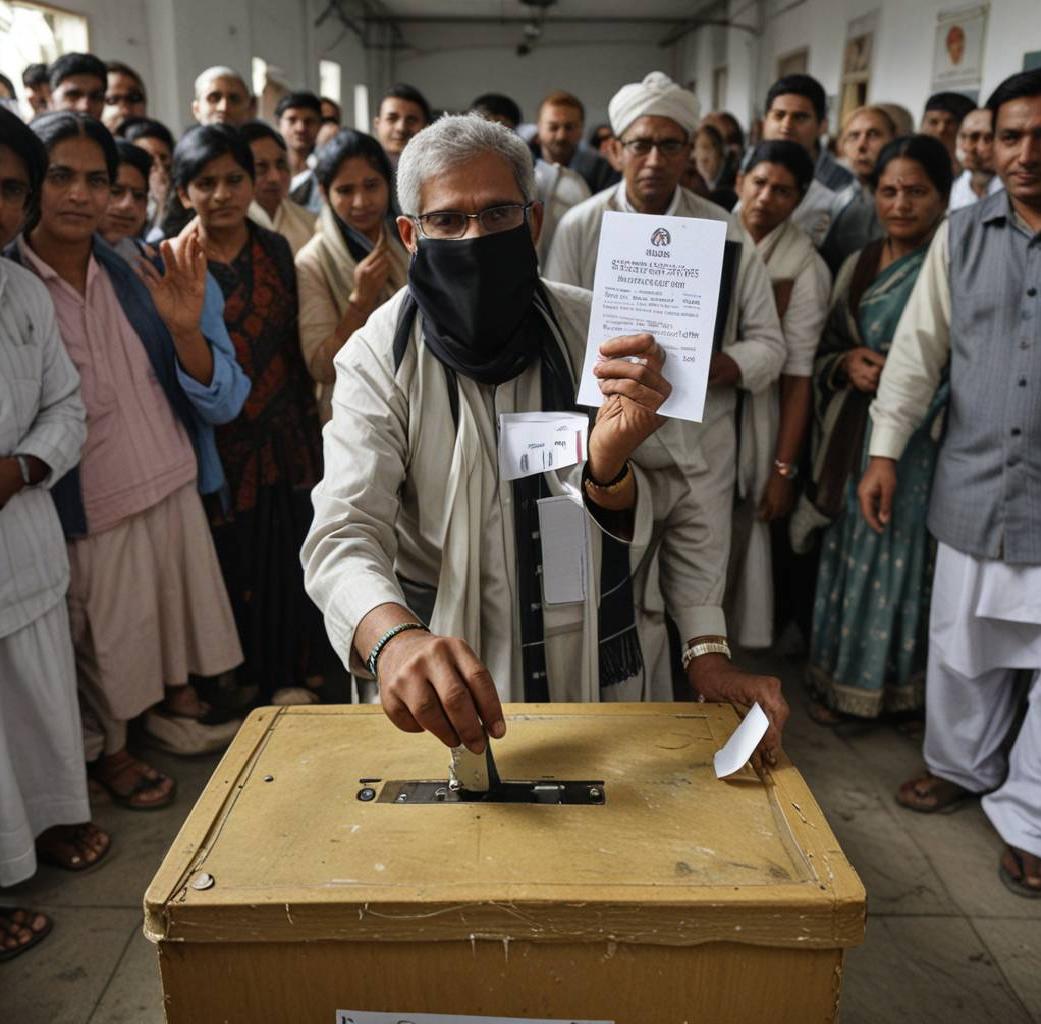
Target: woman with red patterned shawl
272, 452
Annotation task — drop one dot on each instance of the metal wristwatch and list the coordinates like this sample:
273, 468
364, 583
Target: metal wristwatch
717, 645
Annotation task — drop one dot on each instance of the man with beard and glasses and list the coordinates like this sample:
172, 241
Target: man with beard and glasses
426, 563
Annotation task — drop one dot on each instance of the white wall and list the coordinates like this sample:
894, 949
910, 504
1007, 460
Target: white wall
170, 41
902, 63
455, 64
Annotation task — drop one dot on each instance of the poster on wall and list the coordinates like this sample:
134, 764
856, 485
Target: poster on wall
958, 49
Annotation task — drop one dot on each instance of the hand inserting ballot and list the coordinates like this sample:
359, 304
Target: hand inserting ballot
433, 683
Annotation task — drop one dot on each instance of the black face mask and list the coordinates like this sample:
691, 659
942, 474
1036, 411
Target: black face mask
475, 295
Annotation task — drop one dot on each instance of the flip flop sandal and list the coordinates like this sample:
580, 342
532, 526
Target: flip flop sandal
37, 937
78, 840
949, 796
143, 785
1018, 886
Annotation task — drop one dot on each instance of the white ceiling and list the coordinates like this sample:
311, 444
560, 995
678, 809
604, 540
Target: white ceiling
588, 10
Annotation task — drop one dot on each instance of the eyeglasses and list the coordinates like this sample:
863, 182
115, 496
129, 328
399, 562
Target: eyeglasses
114, 99
454, 224
667, 147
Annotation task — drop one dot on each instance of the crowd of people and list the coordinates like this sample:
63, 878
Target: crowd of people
181, 317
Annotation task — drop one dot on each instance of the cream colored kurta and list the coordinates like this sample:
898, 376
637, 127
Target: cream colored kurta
295, 224
325, 280
560, 188
752, 337
401, 494
790, 258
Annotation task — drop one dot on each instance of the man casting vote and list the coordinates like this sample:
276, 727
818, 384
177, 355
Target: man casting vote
413, 523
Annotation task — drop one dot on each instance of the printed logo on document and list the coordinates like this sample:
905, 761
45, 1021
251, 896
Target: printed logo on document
661, 237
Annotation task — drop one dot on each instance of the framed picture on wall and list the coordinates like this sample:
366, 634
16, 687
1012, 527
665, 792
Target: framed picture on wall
856, 64
958, 48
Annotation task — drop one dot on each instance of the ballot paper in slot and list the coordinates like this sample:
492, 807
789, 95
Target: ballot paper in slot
659, 276
537, 442
737, 750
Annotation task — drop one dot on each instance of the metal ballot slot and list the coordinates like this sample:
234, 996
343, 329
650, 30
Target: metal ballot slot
542, 791
473, 778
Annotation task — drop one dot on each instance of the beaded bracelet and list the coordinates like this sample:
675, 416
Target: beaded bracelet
386, 638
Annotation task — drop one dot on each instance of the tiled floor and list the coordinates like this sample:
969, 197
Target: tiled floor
946, 942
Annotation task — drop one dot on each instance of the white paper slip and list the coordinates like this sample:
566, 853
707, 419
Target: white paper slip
734, 754
660, 276
401, 1017
564, 533
536, 442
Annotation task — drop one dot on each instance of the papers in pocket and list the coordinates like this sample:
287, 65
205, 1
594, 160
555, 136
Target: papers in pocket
536, 442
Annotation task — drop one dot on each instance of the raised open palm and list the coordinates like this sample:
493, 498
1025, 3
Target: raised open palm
178, 292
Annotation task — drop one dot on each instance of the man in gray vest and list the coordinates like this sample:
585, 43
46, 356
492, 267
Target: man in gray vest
976, 313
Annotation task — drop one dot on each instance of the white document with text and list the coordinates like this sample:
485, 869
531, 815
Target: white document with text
660, 276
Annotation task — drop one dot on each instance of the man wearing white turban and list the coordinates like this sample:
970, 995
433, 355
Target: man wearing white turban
655, 120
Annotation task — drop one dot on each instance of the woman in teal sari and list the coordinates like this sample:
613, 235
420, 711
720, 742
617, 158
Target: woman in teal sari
871, 611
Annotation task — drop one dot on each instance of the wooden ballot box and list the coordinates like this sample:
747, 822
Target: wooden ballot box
328, 876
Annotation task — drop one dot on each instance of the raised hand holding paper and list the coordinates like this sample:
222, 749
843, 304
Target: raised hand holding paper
658, 275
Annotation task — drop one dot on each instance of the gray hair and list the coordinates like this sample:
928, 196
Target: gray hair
452, 140
219, 71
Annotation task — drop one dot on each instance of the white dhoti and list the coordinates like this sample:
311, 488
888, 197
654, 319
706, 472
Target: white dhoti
43, 780
985, 624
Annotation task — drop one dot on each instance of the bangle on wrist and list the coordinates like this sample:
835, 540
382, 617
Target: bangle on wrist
612, 486
789, 470
385, 639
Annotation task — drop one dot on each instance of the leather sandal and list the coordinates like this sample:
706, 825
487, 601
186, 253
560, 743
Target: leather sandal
68, 848
10, 927
148, 779
1013, 873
